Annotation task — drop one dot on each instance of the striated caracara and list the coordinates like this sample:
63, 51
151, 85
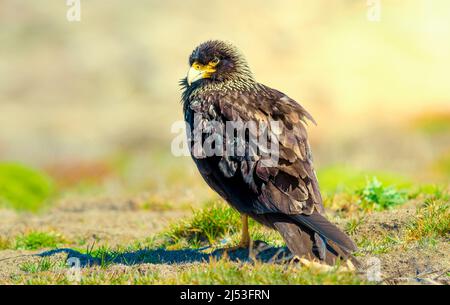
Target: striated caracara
282, 194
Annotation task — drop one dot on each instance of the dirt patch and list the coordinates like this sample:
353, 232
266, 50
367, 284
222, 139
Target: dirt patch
105, 221
400, 261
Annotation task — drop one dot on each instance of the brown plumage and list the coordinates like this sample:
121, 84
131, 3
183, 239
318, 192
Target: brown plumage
220, 87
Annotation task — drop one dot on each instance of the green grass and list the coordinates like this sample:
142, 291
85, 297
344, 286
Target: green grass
229, 273
376, 196
38, 240
352, 225
430, 191
431, 221
45, 264
220, 271
206, 225
23, 188
380, 244
216, 222
336, 179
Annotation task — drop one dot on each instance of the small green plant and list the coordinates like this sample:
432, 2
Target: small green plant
38, 240
378, 197
23, 188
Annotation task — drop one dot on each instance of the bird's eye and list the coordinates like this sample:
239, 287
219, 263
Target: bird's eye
215, 61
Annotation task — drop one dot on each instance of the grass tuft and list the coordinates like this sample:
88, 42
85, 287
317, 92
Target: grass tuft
38, 240
5, 243
44, 264
432, 220
206, 225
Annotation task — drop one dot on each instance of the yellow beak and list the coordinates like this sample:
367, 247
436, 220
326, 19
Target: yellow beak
198, 71
194, 75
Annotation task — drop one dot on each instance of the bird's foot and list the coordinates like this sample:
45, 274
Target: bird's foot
240, 246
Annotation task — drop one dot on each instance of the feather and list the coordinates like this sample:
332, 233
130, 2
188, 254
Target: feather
326, 229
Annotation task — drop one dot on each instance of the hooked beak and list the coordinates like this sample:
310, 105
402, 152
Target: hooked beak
194, 75
198, 71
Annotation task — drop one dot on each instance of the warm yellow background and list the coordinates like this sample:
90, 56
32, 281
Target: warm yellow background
84, 90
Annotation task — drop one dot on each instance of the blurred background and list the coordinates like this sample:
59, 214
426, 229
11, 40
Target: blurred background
86, 107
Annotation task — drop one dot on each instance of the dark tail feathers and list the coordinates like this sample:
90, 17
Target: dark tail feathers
314, 236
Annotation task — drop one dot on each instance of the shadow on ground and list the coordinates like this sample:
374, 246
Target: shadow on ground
261, 252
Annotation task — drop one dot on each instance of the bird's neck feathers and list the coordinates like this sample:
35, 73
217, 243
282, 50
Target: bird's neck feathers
241, 81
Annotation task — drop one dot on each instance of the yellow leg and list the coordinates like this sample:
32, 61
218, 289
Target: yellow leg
245, 237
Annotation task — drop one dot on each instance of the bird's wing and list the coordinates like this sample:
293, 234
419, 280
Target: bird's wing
290, 186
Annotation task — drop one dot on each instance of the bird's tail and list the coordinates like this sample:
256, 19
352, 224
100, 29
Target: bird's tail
314, 237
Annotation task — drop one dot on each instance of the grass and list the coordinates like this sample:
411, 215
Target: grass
228, 273
23, 188
352, 225
220, 271
374, 195
37, 240
155, 203
5, 243
215, 223
44, 264
380, 244
337, 179
432, 220
206, 225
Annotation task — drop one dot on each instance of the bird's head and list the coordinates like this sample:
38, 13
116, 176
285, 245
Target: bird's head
217, 61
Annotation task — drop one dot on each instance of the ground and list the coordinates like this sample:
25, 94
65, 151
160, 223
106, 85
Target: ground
124, 241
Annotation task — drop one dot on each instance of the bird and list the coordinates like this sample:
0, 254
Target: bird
284, 195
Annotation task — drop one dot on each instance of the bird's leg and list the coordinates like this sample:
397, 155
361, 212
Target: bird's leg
245, 237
